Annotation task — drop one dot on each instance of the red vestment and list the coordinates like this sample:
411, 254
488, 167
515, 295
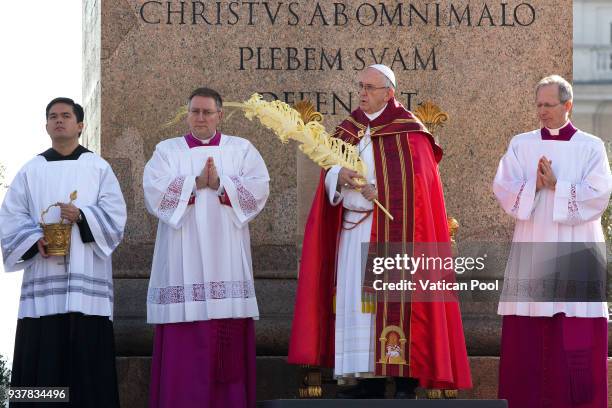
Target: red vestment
409, 186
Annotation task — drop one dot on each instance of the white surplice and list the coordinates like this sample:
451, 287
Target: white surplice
86, 284
202, 263
571, 213
354, 338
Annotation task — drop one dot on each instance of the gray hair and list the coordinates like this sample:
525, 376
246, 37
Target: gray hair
565, 88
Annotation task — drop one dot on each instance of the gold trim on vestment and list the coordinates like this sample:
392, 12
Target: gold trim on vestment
351, 134
359, 125
386, 232
404, 218
412, 240
406, 121
394, 133
383, 345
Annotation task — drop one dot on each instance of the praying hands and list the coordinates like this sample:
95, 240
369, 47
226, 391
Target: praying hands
545, 175
209, 177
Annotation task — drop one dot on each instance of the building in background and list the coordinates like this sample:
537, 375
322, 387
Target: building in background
593, 79
593, 67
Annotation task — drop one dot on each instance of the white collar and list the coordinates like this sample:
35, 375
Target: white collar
374, 115
205, 141
555, 132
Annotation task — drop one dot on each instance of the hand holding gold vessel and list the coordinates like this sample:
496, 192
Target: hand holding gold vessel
56, 239
69, 211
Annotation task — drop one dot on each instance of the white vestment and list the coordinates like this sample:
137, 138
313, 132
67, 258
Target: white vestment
354, 338
86, 284
571, 213
202, 262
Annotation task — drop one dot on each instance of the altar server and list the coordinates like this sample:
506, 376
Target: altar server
555, 181
65, 329
204, 187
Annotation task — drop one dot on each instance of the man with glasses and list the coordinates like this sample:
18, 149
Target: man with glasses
424, 340
555, 181
204, 187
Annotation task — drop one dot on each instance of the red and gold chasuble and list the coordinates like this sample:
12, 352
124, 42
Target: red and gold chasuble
422, 340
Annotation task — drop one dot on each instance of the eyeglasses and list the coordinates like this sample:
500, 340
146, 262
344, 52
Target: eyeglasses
369, 88
547, 105
206, 113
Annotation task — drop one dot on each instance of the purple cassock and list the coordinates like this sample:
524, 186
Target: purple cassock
556, 362
205, 363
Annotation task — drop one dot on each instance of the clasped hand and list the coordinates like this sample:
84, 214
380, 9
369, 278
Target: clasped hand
209, 177
545, 175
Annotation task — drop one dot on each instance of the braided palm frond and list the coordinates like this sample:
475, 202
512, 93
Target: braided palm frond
313, 139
